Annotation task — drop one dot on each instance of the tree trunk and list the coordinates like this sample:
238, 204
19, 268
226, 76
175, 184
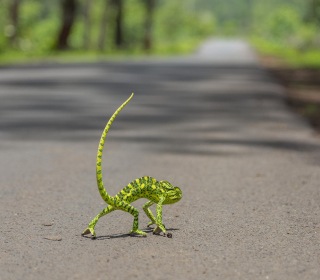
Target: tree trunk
119, 16
147, 41
103, 27
87, 25
316, 10
68, 16
14, 18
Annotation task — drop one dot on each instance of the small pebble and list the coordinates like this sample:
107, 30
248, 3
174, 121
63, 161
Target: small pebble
47, 224
169, 235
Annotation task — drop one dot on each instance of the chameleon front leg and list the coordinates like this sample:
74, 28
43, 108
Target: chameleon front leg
91, 226
149, 213
160, 225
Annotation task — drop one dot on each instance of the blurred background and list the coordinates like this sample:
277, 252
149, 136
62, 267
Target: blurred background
214, 122
285, 34
85, 29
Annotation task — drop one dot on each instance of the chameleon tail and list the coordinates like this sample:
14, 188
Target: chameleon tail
101, 188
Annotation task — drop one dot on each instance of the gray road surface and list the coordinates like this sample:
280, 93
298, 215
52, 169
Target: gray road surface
214, 124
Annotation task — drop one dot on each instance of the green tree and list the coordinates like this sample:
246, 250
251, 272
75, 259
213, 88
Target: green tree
103, 25
118, 8
14, 18
283, 23
69, 8
313, 12
87, 24
147, 40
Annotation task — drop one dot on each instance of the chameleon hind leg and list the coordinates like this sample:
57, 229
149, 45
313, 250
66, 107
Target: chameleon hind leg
135, 213
91, 226
149, 213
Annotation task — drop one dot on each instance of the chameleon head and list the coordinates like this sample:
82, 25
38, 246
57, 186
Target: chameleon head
174, 194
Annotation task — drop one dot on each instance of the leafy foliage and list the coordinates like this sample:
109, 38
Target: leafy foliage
178, 26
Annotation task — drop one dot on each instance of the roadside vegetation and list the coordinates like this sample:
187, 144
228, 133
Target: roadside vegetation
90, 29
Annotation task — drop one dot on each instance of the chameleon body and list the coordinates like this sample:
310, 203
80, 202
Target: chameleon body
147, 187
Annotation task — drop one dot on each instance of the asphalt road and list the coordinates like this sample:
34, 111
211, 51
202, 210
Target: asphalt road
215, 124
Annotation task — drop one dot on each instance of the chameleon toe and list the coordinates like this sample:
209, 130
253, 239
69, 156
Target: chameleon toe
87, 231
138, 232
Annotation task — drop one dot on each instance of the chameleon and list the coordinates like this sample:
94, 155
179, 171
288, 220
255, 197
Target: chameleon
147, 187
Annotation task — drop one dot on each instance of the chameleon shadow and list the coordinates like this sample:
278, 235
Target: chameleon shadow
115, 236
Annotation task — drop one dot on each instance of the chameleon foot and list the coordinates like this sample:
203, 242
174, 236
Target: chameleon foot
159, 228
150, 224
89, 230
138, 232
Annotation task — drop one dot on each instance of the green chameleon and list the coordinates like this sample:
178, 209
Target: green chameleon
145, 187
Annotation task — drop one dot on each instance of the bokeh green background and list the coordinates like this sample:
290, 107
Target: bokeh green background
285, 28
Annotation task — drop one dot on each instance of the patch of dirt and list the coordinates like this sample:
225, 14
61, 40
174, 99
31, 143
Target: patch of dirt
303, 87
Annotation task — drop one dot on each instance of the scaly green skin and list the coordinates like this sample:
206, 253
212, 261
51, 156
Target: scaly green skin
160, 193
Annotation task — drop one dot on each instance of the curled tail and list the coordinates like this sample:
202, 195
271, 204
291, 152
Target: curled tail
101, 188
